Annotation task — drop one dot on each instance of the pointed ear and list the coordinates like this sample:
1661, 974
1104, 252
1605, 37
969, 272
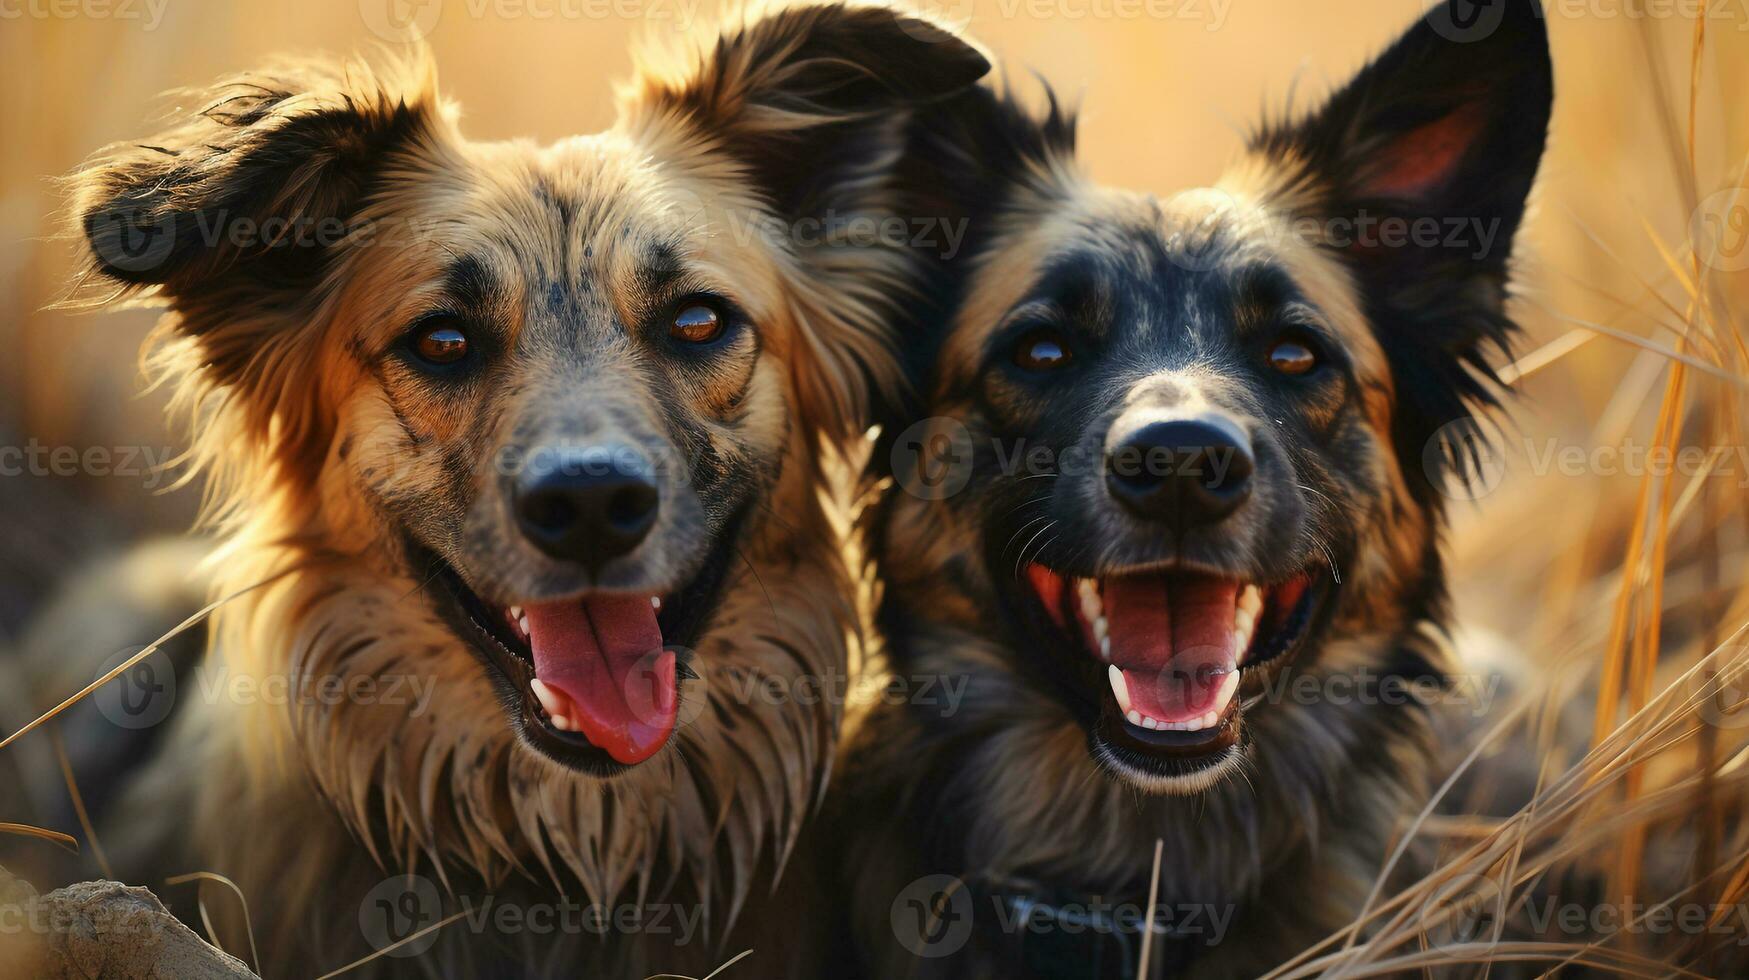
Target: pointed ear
1417, 173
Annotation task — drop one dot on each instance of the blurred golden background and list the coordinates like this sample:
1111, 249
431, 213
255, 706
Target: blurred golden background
1167, 90
1579, 563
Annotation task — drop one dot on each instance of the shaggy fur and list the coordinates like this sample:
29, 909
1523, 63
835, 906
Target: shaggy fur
1014, 795
349, 480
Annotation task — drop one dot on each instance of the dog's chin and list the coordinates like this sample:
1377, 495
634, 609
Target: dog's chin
1162, 664
581, 722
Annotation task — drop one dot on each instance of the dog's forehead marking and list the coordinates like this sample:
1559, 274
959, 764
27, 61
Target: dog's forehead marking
1203, 237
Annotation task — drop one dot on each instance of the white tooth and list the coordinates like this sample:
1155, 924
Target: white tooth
1244, 626
1251, 598
1105, 648
1134, 718
1119, 687
655, 602
522, 624
1091, 607
1150, 723
562, 723
516, 612
549, 698
1224, 695
1101, 629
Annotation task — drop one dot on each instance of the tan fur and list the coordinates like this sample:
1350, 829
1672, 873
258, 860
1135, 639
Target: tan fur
312, 436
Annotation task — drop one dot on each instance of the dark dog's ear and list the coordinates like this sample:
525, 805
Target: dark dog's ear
1418, 172
254, 187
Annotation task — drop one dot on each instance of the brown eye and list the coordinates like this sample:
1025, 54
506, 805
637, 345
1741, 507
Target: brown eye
1042, 350
1292, 357
440, 342
697, 323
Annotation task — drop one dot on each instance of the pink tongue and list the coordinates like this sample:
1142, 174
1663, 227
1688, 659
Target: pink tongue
1172, 636
604, 653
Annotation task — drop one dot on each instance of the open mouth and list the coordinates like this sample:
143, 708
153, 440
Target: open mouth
1168, 650
592, 681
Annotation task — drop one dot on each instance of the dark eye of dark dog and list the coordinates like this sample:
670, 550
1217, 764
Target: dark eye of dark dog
698, 320
1042, 350
1292, 354
439, 340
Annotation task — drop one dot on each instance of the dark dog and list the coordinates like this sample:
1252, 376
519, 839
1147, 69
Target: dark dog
1175, 512
526, 444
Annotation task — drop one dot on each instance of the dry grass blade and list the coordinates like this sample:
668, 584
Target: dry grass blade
248, 926
355, 964
738, 957
54, 836
1153, 906
79, 804
150, 649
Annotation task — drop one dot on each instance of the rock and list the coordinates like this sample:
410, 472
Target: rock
102, 929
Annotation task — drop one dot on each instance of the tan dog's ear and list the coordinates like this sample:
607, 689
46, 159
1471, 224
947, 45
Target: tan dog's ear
255, 187
235, 214
783, 91
810, 105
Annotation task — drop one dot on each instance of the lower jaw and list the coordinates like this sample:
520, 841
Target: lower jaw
685, 614
1166, 761
1180, 762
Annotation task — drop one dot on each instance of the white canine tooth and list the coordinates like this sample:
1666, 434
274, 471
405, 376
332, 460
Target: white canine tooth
655, 602
1105, 648
1101, 629
1091, 607
1134, 718
1244, 626
1251, 598
516, 612
522, 623
1119, 687
549, 699
562, 723
1224, 695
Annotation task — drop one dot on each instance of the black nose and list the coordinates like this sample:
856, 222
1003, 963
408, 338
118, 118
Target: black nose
588, 506
1185, 472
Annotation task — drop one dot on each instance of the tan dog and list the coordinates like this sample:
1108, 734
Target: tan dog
525, 443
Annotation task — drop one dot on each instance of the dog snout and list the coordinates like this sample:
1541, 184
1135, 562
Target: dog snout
589, 505
1185, 472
